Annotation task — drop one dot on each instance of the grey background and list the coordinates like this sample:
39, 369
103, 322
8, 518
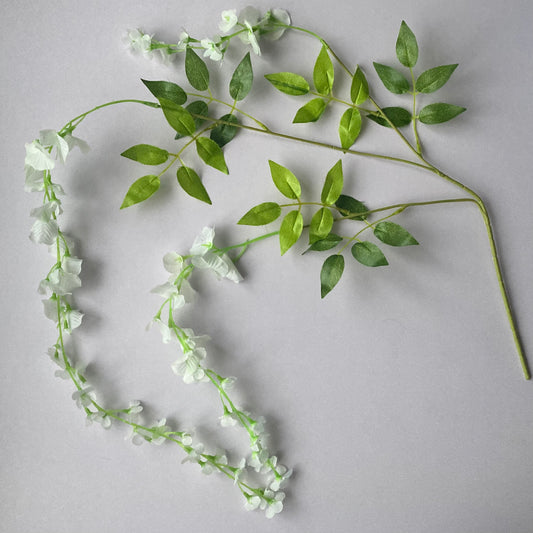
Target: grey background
398, 400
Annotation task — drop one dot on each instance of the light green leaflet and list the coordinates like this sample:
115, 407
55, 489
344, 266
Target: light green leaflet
311, 111
323, 73
286, 182
211, 153
333, 184
146, 154
261, 214
190, 182
289, 83
321, 225
290, 230
141, 190
178, 117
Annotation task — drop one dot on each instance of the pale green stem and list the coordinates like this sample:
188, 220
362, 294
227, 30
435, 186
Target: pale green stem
415, 129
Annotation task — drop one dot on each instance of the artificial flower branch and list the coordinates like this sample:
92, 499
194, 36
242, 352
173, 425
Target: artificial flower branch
334, 208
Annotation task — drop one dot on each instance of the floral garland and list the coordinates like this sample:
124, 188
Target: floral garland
193, 124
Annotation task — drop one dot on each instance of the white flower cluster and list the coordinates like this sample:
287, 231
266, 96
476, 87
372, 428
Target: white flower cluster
177, 292
64, 276
249, 25
253, 24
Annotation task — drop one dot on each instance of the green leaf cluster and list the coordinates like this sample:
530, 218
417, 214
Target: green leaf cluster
427, 82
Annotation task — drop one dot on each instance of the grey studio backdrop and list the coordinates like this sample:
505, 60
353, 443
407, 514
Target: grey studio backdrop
398, 400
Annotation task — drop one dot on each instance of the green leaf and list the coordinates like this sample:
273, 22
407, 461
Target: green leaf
327, 243
393, 80
393, 234
434, 78
323, 73
349, 206
290, 230
406, 46
438, 113
359, 89
167, 90
397, 115
222, 134
261, 214
369, 254
289, 83
321, 225
196, 70
190, 182
331, 273
146, 154
242, 79
211, 153
310, 112
332, 185
141, 189
286, 182
349, 127
178, 117
198, 107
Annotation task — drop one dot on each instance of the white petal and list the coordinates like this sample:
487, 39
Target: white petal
50, 309
203, 242
34, 180
74, 319
232, 274
173, 262
279, 15
167, 290
44, 232
62, 282
76, 141
37, 157
71, 264
53, 139
250, 15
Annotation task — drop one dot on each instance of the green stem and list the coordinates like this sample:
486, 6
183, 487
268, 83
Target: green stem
70, 125
415, 129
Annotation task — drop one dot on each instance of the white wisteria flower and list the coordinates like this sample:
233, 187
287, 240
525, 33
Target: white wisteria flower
249, 18
159, 432
173, 264
281, 477
53, 140
100, 418
45, 228
229, 20
62, 282
74, 142
139, 41
212, 49
183, 41
170, 292
268, 27
189, 367
167, 334
83, 397
252, 502
275, 504
38, 157
203, 257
